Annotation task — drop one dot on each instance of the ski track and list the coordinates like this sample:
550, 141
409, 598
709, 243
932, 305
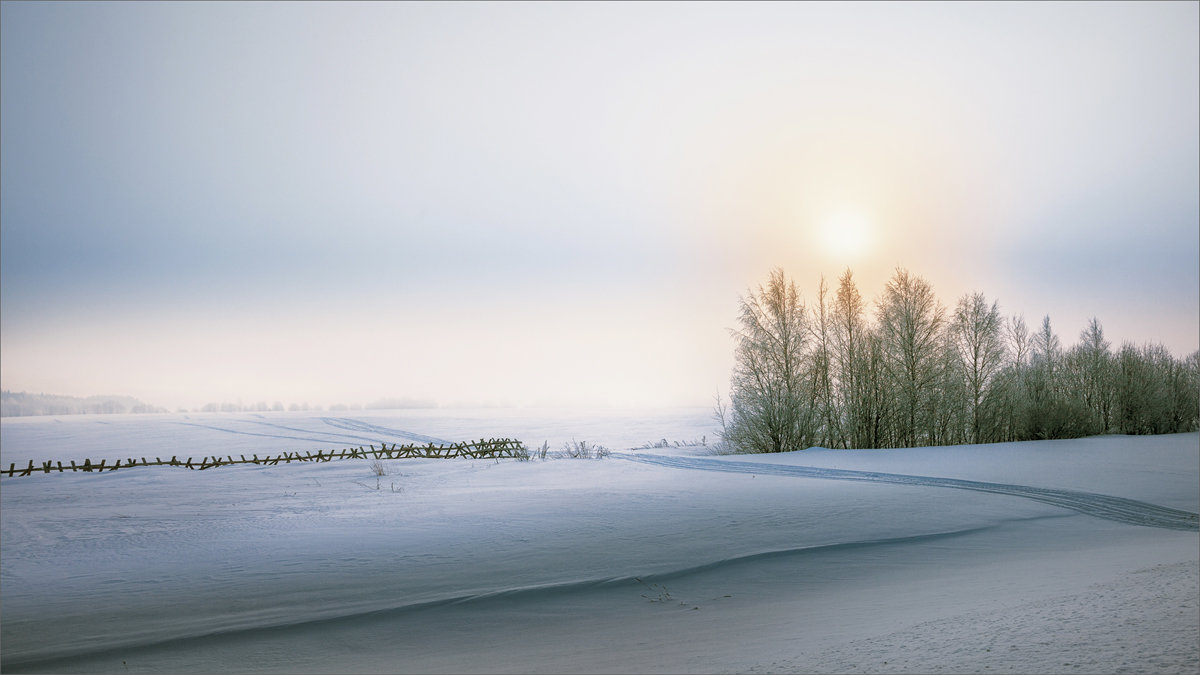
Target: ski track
1118, 509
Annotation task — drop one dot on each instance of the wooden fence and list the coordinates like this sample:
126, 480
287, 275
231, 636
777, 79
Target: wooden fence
490, 449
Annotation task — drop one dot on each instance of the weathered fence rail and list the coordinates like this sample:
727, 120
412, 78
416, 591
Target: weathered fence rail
495, 448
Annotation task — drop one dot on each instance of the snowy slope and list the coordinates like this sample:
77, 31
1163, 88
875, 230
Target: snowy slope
648, 561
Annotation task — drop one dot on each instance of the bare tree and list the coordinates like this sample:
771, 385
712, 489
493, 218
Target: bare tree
1185, 390
826, 407
947, 415
850, 334
878, 406
979, 343
768, 396
1007, 398
1088, 368
1045, 346
919, 376
1050, 412
1018, 340
721, 413
1140, 392
910, 325
1154, 392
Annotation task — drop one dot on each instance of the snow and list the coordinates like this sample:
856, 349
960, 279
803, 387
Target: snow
651, 560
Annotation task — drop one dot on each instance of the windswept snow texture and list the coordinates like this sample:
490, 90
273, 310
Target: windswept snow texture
1027, 557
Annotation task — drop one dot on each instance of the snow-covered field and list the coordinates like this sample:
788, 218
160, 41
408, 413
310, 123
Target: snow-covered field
1057, 556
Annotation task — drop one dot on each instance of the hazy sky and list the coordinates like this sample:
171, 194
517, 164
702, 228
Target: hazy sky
561, 203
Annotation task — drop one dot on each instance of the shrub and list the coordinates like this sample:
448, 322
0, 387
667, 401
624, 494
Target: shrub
582, 450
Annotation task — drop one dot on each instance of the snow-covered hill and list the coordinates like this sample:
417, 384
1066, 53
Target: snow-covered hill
1053, 556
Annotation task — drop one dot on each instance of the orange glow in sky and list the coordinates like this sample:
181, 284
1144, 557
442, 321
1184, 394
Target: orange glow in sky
561, 202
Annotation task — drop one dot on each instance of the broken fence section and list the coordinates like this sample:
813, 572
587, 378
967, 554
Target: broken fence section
495, 448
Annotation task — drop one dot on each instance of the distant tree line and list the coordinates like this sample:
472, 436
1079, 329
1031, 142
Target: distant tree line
20, 404
277, 406
910, 372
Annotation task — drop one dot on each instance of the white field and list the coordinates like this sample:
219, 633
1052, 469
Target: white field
988, 559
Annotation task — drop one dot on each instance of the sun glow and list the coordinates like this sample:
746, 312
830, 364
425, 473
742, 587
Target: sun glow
846, 233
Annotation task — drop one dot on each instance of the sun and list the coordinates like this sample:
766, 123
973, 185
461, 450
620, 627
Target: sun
846, 233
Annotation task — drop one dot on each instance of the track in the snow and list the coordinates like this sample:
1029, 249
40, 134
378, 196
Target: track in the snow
1101, 506
362, 432
349, 424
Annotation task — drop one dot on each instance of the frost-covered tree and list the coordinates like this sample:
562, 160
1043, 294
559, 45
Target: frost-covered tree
1040, 409
1006, 400
1049, 411
769, 400
1155, 393
1017, 334
850, 347
978, 339
1173, 416
916, 376
910, 327
1141, 396
1089, 375
949, 414
878, 407
1045, 346
1185, 393
826, 409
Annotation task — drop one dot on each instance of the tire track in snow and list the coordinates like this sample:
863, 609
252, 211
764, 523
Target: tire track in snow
1118, 509
381, 434
240, 432
361, 429
348, 424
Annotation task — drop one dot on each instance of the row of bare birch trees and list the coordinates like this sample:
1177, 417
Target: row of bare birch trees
909, 372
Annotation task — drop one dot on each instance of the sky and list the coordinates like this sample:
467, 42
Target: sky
561, 203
